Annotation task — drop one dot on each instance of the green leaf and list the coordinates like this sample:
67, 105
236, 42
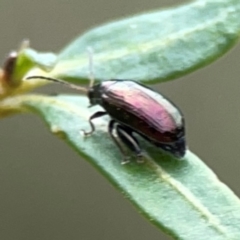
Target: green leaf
157, 46
29, 58
18, 65
184, 198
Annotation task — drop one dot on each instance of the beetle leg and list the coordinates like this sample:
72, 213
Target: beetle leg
129, 140
95, 115
110, 130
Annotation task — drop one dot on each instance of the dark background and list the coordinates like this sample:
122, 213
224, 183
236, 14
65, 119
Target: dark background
46, 190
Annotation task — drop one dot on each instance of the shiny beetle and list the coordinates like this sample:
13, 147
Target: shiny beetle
135, 108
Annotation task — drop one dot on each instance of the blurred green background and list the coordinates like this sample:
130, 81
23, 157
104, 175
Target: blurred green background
47, 191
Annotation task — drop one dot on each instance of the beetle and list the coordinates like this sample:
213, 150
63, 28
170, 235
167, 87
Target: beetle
135, 108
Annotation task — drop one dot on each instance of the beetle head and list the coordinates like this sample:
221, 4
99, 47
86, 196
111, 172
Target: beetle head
94, 94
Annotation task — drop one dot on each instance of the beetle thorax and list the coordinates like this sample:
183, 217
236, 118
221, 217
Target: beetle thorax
96, 92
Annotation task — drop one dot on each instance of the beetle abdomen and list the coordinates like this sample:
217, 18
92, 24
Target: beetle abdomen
145, 111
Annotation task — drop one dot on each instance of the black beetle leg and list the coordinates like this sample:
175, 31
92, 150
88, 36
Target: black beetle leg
125, 134
95, 115
110, 130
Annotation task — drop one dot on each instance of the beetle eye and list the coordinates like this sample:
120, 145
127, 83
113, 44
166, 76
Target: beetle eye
90, 93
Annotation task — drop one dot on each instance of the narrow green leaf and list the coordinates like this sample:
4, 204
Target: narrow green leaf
29, 58
184, 198
156, 46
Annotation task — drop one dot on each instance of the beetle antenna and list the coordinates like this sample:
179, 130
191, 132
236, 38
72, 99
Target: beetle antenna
73, 86
91, 75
